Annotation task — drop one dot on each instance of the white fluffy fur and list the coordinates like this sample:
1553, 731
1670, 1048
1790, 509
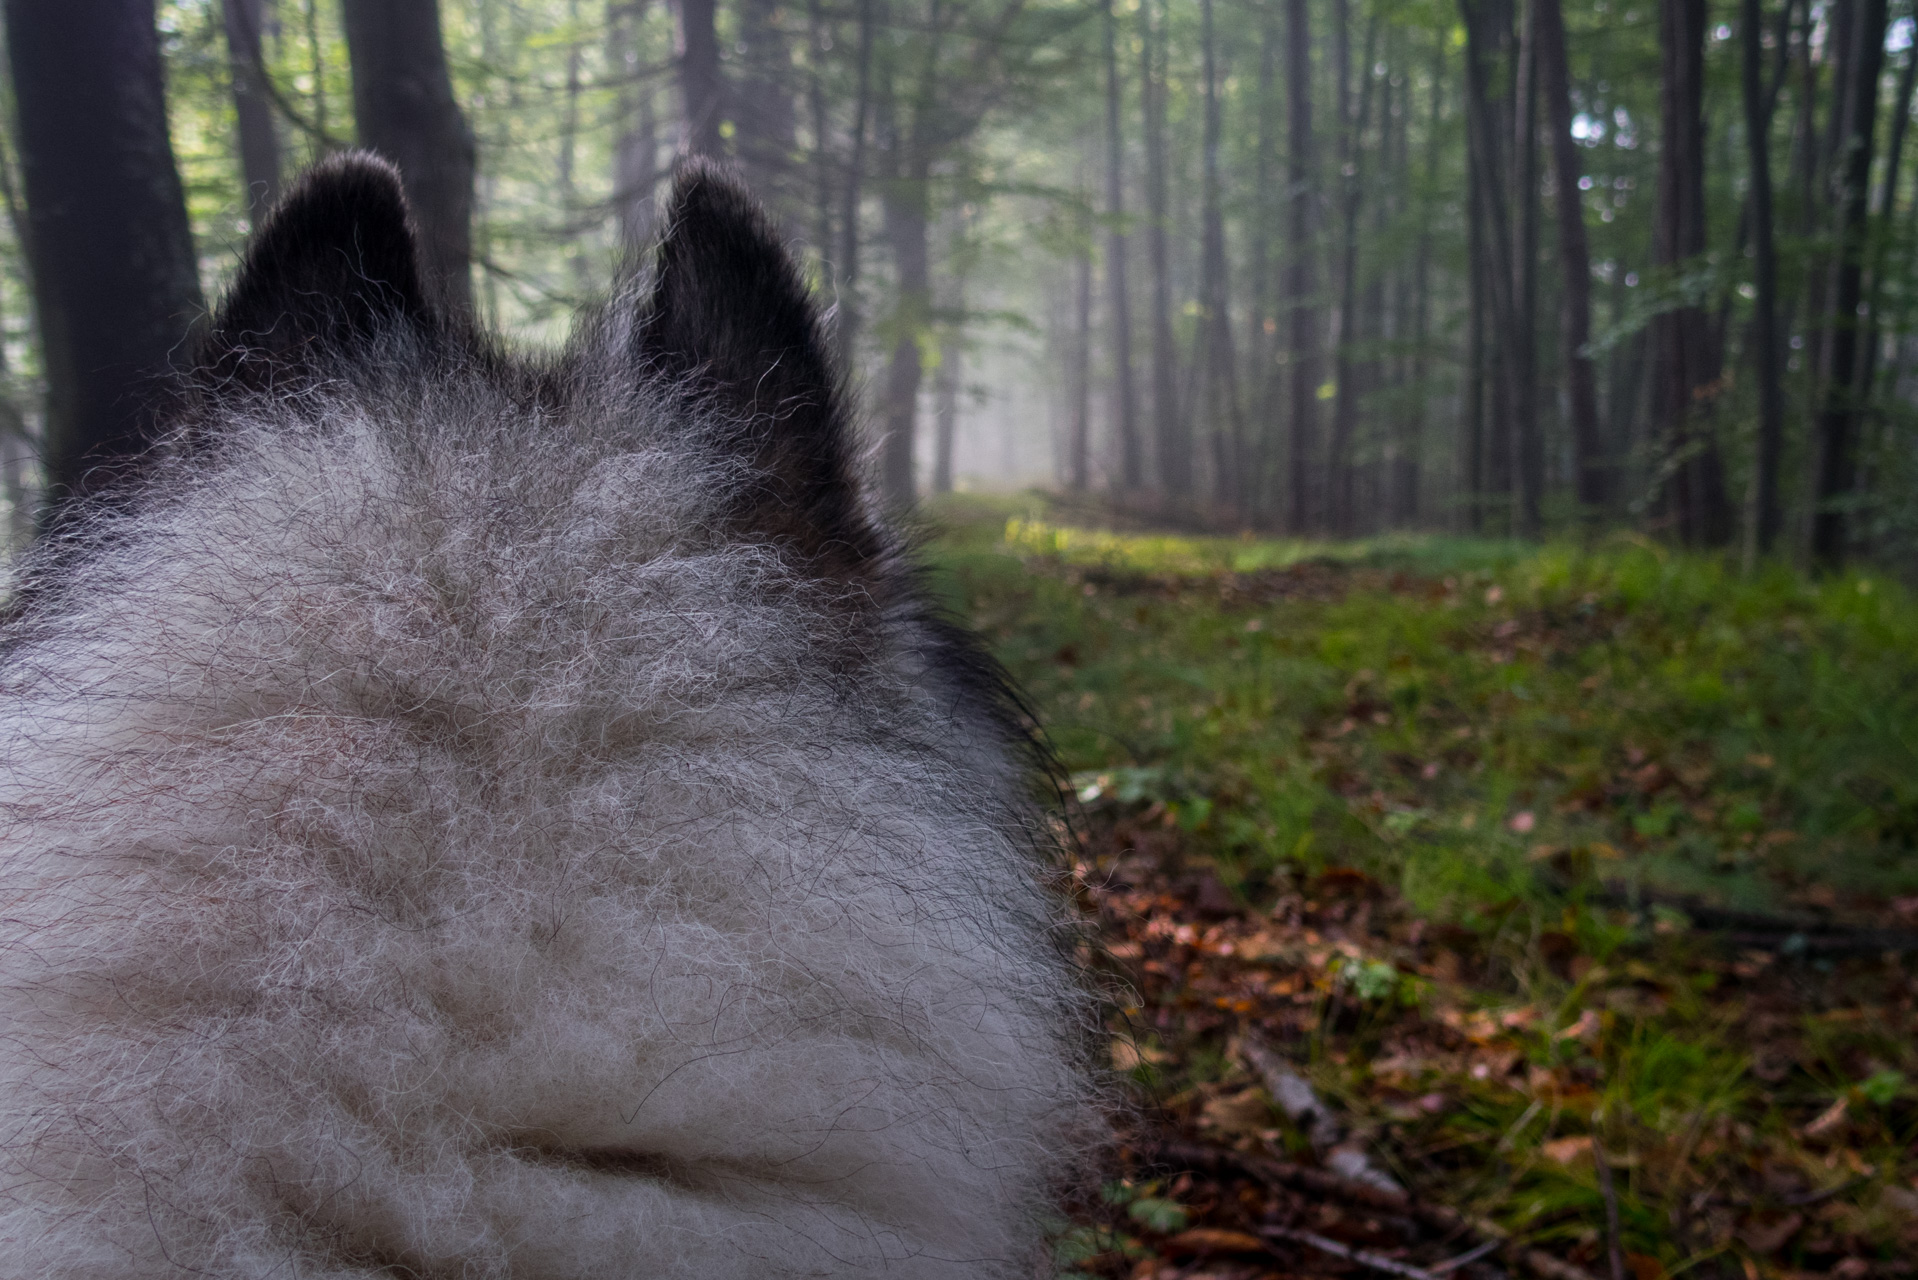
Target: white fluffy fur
433, 847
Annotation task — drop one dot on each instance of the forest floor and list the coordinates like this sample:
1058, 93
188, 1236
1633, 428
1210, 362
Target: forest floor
1473, 909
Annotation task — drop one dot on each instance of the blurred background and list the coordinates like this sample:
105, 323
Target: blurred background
1308, 266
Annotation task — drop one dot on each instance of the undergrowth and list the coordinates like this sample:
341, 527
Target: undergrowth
1513, 849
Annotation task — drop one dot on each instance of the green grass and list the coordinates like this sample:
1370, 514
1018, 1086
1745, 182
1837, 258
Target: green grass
1661, 718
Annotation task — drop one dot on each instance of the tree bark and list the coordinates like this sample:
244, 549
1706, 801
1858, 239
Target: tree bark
1494, 238
404, 108
636, 148
1766, 516
907, 212
1528, 446
1686, 363
115, 277
1079, 378
1221, 365
1131, 457
252, 106
1302, 339
1575, 262
763, 106
1412, 449
1844, 397
702, 91
1174, 449
1345, 404
846, 313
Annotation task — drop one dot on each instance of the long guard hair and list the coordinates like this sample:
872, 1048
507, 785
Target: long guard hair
467, 815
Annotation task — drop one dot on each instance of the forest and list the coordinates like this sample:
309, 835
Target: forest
1444, 476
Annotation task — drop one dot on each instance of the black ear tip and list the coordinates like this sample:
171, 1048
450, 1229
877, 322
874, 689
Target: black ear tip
352, 200
702, 185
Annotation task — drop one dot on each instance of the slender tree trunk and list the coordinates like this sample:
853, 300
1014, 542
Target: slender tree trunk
762, 109
947, 385
1766, 518
1221, 375
1412, 450
847, 312
1353, 124
1575, 263
114, 274
907, 213
1844, 398
1528, 446
818, 41
566, 184
1131, 457
1174, 448
1489, 205
702, 89
1303, 338
252, 106
1687, 365
404, 107
1079, 378
636, 147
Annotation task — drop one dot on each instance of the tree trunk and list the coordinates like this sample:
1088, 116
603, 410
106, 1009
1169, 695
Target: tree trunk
566, 186
946, 391
1302, 340
1079, 378
1766, 516
1131, 458
763, 107
906, 205
1575, 262
252, 106
1844, 397
1528, 446
1490, 213
846, 313
1174, 448
636, 148
818, 43
1345, 404
1221, 375
701, 89
1412, 449
1687, 366
404, 108
114, 272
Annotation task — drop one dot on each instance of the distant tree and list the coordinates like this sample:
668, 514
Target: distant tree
404, 108
1131, 457
252, 104
1687, 359
701, 88
114, 273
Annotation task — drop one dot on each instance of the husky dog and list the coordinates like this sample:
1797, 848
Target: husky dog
472, 816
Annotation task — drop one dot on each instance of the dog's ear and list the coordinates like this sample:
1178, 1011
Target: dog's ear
334, 265
729, 323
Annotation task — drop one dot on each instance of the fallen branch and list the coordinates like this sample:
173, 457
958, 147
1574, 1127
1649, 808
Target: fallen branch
1301, 1104
1364, 1257
1441, 1218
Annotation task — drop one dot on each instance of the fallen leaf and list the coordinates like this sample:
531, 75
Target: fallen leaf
1585, 1030
1523, 821
1566, 1150
1203, 1240
1244, 1112
1645, 1267
1828, 1121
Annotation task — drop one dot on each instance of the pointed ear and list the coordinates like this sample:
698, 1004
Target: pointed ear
334, 264
730, 323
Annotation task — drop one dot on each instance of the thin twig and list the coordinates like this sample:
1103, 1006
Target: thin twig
1607, 1189
1364, 1257
1465, 1259
1443, 1218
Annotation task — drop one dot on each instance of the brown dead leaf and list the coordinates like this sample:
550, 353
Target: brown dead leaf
1645, 1267
1828, 1121
1199, 1241
1566, 1150
1244, 1112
